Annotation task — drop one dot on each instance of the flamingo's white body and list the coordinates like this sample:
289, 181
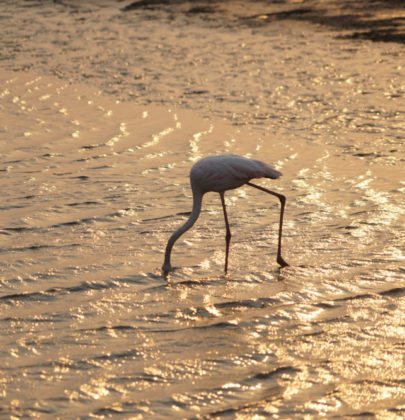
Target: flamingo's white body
219, 174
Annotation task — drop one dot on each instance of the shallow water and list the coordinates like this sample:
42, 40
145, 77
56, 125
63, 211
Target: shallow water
96, 142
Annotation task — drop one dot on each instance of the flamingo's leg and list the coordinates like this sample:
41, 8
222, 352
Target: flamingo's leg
228, 231
282, 199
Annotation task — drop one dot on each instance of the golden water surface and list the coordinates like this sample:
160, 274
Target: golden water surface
103, 112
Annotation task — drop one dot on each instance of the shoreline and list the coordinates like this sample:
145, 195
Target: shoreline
374, 20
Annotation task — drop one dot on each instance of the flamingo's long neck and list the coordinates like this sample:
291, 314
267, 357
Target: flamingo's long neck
197, 201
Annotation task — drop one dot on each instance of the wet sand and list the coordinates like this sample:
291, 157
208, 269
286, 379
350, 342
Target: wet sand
378, 20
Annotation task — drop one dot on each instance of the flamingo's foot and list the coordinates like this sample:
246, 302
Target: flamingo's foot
282, 262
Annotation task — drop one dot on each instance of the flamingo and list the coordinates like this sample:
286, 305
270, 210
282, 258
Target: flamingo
219, 174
